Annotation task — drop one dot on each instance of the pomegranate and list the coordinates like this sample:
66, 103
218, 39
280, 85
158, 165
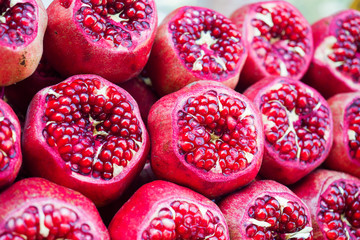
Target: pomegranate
345, 153
206, 136
298, 127
164, 210
87, 134
22, 28
335, 67
195, 43
10, 149
333, 200
278, 38
266, 210
111, 38
35, 208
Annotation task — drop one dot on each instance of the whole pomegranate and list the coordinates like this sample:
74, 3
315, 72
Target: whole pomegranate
87, 134
278, 38
266, 210
345, 153
22, 28
164, 210
35, 208
335, 67
206, 136
334, 203
10, 149
111, 38
195, 43
298, 127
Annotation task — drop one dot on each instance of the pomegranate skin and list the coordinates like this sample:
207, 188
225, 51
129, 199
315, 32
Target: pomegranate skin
136, 214
10, 172
168, 164
37, 192
311, 190
235, 207
322, 73
45, 161
339, 158
21, 61
70, 51
255, 69
273, 166
167, 70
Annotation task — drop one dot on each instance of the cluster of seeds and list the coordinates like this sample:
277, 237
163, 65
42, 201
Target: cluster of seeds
353, 116
7, 142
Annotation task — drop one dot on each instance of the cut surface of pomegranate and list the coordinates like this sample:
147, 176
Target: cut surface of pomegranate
206, 136
333, 200
10, 149
278, 39
195, 43
35, 208
119, 33
22, 28
298, 127
164, 210
266, 210
87, 134
335, 67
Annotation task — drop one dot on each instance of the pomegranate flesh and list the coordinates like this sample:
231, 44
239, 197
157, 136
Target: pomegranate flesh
206, 136
87, 134
195, 43
266, 210
22, 28
35, 208
298, 127
110, 38
278, 39
164, 210
333, 200
10, 149
335, 67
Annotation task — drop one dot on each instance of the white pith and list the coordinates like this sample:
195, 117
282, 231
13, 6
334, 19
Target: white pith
351, 134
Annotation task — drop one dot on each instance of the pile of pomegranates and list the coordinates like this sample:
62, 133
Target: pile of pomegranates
202, 126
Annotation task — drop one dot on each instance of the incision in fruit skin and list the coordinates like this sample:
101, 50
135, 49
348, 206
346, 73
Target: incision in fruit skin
296, 122
7, 142
184, 220
92, 127
280, 39
217, 132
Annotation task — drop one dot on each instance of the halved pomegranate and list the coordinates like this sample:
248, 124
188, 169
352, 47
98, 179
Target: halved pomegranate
195, 43
35, 208
164, 210
298, 127
278, 38
22, 28
87, 134
266, 210
335, 67
334, 202
206, 136
110, 38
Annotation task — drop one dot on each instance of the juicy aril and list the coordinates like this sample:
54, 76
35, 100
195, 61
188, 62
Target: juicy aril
22, 28
164, 210
335, 67
10, 150
266, 210
87, 134
278, 39
35, 208
206, 136
110, 38
195, 43
345, 153
298, 128
333, 200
